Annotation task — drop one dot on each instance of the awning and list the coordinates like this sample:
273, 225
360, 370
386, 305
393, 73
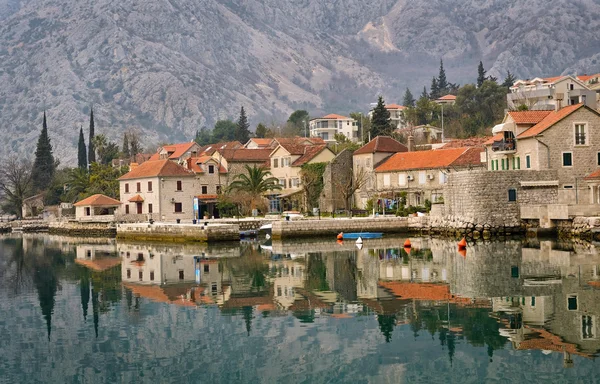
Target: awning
288, 192
207, 198
136, 199
543, 183
498, 128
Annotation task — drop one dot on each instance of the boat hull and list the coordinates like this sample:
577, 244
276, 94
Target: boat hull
364, 235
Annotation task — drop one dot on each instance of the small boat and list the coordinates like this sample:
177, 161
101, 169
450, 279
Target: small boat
248, 234
363, 235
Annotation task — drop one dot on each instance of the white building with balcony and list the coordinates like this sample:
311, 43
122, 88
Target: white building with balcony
550, 93
327, 126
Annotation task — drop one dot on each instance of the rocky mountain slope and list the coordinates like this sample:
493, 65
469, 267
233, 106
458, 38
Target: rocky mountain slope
169, 67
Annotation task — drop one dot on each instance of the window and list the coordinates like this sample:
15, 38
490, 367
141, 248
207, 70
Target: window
402, 179
567, 187
512, 194
422, 177
567, 159
572, 302
151, 275
149, 208
386, 180
138, 187
149, 186
211, 169
88, 211
204, 189
587, 327
598, 160
129, 273
443, 178
206, 268
282, 182
275, 163
295, 183
503, 166
493, 165
178, 208
496, 161
580, 134
516, 162
127, 209
514, 271
180, 274
179, 185
533, 301
141, 275
528, 161
325, 136
218, 189
213, 288
127, 184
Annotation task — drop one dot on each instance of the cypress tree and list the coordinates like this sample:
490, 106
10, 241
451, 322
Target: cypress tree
480, 74
442, 82
381, 123
82, 151
91, 149
409, 100
435, 89
242, 131
424, 94
125, 146
509, 80
43, 165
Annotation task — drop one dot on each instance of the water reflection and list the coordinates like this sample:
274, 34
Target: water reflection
532, 296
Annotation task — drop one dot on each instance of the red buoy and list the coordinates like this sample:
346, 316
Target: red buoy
340, 236
407, 243
407, 250
462, 244
462, 252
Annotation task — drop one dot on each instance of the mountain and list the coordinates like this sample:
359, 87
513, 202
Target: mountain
169, 67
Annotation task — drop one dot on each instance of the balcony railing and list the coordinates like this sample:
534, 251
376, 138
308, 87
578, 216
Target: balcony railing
504, 146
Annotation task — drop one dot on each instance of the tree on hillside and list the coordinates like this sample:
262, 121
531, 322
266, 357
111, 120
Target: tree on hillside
82, 154
481, 107
424, 112
409, 100
135, 147
91, 149
242, 131
203, 136
125, 146
224, 130
509, 80
381, 123
255, 182
299, 119
43, 165
434, 92
104, 180
480, 75
261, 131
15, 184
442, 82
424, 94
106, 150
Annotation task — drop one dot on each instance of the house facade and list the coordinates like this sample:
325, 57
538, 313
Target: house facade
550, 93
96, 208
327, 127
567, 141
422, 174
161, 189
364, 162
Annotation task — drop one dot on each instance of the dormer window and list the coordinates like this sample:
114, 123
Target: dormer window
211, 169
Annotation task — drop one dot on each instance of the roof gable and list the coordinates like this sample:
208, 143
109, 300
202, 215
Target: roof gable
97, 201
310, 153
527, 117
245, 155
550, 120
157, 168
383, 144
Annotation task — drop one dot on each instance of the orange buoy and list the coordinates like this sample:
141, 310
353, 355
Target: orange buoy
407, 250
340, 241
340, 236
407, 243
462, 244
462, 252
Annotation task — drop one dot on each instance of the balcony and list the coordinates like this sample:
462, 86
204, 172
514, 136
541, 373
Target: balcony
508, 143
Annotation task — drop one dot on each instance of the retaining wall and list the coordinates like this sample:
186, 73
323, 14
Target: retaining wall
178, 232
73, 228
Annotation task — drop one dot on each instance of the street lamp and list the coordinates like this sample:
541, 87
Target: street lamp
442, 104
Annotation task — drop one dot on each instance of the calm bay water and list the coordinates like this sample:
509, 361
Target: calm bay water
97, 311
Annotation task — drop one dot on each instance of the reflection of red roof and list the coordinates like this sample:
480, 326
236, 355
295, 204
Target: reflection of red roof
547, 341
528, 117
98, 200
238, 302
136, 199
439, 158
382, 144
422, 291
310, 152
552, 118
99, 265
158, 168
170, 295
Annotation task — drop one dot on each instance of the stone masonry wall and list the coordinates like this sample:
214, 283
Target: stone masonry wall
329, 227
481, 197
83, 229
338, 172
178, 232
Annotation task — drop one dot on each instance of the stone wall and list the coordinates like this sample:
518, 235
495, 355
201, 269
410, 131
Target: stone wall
5, 228
178, 232
72, 228
337, 173
332, 227
481, 197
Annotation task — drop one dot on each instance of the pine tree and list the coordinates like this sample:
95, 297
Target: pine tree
82, 151
43, 165
480, 75
434, 93
242, 131
509, 81
261, 130
381, 123
91, 149
409, 100
424, 94
125, 146
442, 82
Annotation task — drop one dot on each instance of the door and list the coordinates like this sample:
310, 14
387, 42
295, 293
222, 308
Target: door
139, 208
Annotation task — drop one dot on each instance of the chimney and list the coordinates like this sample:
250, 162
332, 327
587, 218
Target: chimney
411, 143
559, 99
189, 163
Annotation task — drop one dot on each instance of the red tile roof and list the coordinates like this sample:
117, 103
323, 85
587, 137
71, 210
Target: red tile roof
310, 152
469, 142
136, 199
395, 106
549, 342
178, 150
246, 155
447, 97
588, 77
97, 200
422, 291
528, 117
157, 168
594, 175
382, 144
207, 197
211, 148
552, 118
194, 163
496, 137
336, 117
261, 142
440, 158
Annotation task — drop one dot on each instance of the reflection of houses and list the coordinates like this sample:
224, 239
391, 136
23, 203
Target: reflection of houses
97, 257
287, 276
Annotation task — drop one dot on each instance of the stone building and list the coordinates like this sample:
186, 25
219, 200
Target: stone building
364, 161
338, 176
161, 189
422, 174
96, 208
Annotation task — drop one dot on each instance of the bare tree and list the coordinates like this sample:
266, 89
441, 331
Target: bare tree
15, 184
347, 186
